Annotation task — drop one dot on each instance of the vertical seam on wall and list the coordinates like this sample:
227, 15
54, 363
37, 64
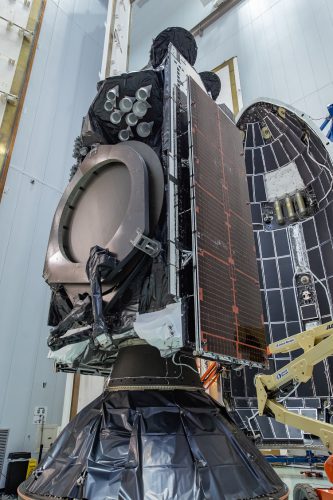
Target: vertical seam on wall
233, 85
23, 93
110, 44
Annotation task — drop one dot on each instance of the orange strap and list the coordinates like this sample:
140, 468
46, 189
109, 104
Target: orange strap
329, 468
211, 374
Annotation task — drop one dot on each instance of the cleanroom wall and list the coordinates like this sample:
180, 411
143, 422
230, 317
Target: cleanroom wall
62, 85
283, 46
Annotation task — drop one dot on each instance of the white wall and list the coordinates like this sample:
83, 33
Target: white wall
115, 53
61, 87
165, 13
283, 46
11, 42
150, 17
90, 388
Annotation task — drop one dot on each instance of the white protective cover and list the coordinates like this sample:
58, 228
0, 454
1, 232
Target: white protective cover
69, 353
161, 329
283, 181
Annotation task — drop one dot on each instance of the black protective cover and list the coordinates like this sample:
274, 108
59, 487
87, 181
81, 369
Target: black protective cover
16, 471
211, 82
129, 83
180, 38
154, 444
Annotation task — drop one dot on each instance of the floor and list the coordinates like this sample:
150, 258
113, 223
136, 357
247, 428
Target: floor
289, 475
292, 475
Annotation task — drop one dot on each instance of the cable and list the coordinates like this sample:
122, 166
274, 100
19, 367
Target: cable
323, 166
250, 425
314, 159
289, 394
307, 270
278, 401
321, 284
183, 364
324, 287
165, 377
317, 119
328, 192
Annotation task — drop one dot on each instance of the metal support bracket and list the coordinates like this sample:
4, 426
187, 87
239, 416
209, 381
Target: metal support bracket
317, 345
145, 244
185, 256
26, 33
8, 97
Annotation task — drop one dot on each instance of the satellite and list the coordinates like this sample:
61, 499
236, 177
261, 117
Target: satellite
151, 262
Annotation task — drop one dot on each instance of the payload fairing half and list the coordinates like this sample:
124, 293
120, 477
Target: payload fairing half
289, 167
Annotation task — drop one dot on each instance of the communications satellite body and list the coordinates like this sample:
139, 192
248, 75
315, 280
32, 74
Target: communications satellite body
151, 260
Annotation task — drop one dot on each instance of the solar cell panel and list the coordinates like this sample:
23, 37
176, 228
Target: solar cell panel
228, 299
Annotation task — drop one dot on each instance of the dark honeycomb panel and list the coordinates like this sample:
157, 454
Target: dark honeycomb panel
283, 315
275, 254
231, 321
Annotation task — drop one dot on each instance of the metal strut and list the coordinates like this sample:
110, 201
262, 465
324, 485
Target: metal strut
317, 345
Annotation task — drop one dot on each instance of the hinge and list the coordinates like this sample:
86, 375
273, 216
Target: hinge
146, 244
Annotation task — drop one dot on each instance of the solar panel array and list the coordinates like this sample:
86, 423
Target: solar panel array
231, 322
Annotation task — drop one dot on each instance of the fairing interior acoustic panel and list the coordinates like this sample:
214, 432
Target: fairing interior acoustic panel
229, 313
278, 138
